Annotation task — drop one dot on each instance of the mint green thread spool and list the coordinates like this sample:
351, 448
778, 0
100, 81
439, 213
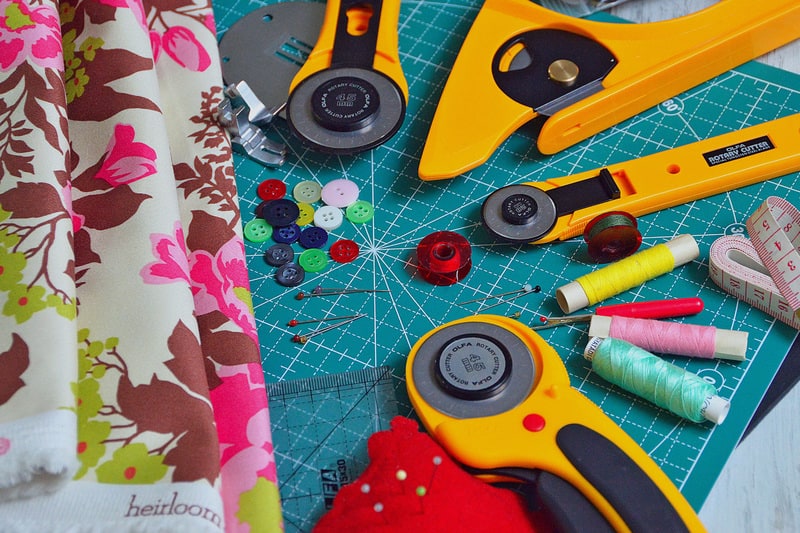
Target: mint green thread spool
656, 380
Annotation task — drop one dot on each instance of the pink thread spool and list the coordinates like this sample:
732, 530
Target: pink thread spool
672, 337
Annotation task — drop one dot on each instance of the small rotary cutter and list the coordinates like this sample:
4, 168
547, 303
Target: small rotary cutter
350, 95
560, 208
498, 399
577, 77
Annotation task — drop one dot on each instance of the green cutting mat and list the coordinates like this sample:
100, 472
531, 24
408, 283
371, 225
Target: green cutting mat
409, 209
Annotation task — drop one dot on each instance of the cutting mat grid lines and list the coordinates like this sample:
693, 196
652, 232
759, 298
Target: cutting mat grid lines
408, 209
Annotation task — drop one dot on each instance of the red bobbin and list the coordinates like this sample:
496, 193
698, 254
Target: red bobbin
444, 258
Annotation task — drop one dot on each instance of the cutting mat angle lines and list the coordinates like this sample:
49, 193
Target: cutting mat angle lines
325, 450
407, 210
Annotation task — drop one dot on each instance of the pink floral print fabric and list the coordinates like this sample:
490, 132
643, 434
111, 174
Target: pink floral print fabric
131, 391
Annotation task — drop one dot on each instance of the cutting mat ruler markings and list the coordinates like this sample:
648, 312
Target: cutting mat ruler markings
407, 210
320, 429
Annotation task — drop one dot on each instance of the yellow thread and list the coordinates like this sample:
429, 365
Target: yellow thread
627, 273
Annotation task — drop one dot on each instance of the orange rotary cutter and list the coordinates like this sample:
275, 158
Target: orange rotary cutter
561, 208
350, 95
577, 77
498, 398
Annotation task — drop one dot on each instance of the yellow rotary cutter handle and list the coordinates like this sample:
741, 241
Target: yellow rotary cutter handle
521, 62
498, 399
561, 208
350, 95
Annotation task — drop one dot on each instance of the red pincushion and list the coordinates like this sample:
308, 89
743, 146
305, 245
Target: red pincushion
411, 485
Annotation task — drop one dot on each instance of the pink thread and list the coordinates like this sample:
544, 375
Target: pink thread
665, 337
5, 445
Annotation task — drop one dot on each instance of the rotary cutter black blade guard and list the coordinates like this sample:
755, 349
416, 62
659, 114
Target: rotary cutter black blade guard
347, 99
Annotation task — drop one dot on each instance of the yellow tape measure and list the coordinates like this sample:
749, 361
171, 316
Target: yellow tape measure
763, 271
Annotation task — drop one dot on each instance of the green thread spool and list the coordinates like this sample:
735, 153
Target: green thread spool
656, 380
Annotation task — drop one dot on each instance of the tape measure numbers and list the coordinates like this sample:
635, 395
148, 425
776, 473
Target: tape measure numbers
320, 428
764, 270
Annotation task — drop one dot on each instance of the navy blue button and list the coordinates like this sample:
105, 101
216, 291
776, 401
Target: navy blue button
280, 212
290, 275
313, 237
286, 234
278, 254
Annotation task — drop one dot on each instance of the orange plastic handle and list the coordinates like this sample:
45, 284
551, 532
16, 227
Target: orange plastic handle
654, 62
689, 172
502, 440
387, 59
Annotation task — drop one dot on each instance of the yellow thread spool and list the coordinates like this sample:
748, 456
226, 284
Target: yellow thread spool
626, 273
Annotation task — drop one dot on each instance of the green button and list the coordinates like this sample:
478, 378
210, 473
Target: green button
359, 212
306, 215
257, 230
313, 260
307, 192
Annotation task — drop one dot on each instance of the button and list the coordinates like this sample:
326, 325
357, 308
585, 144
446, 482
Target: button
290, 275
313, 260
344, 251
257, 230
313, 237
359, 212
271, 189
533, 422
278, 254
280, 212
306, 215
286, 234
307, 192
340, 193
328, 217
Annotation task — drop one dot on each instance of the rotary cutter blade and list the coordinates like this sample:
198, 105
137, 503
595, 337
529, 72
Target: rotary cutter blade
560, 208
351, 94
578, 77
499, 400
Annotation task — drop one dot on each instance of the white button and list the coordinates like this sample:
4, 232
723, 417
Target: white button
328, 217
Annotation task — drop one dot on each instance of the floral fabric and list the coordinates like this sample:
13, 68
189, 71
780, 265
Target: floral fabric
131, 390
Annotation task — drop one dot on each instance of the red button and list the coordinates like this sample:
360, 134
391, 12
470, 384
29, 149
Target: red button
534, 422
271, 189
344, 251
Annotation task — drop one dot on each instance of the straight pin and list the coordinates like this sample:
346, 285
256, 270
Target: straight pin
507, 300
319, 291
293, 322
302, 339
525, 289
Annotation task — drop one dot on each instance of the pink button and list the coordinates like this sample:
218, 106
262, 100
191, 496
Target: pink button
340, 193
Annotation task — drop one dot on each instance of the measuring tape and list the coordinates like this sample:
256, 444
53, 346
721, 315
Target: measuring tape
764, 270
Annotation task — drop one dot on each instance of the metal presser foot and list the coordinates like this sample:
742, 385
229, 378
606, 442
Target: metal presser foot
244, 116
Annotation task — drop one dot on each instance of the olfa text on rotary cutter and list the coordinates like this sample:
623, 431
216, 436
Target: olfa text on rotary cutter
350, 95
498, 399
521, 62
561, 208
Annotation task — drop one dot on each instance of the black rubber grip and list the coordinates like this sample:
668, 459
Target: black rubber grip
584, 193
568, 509
630, 491
356, 50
